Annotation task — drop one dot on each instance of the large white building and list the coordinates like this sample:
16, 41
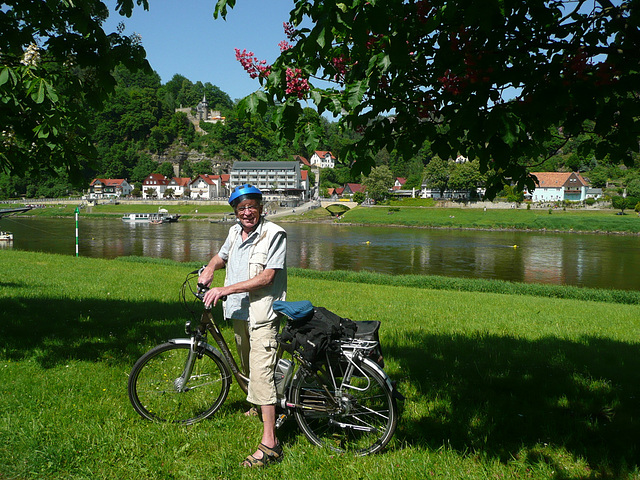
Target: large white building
277, 180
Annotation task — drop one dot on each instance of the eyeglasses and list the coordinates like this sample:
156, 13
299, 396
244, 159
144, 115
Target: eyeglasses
250, 208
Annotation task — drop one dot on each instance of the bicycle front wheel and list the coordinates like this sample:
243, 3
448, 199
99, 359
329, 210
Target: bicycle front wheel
361, 420
159, 390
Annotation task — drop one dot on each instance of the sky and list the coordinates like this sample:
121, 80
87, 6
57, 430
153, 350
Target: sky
182, 37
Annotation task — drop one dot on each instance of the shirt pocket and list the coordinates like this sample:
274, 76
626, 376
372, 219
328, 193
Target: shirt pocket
257, 262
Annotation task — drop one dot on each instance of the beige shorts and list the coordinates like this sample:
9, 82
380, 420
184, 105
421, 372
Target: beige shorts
262, 363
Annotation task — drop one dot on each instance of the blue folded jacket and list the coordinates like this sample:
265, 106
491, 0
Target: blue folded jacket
294, 310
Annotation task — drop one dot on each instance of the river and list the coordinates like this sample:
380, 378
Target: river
599, 261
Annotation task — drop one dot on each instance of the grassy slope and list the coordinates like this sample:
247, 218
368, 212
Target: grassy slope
497, 385
522, 219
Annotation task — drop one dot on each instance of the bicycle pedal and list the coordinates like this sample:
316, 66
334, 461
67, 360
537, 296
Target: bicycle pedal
280, 420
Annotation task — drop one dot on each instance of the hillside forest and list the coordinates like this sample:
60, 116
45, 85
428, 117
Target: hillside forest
139, 132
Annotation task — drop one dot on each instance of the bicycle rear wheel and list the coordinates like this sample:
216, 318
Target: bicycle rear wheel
158, 393
362, 423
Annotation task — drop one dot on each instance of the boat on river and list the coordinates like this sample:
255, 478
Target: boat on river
155, 218
6, 236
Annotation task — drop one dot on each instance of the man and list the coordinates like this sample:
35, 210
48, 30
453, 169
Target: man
254, 255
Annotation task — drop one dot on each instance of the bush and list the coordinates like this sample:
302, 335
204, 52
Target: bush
590, 201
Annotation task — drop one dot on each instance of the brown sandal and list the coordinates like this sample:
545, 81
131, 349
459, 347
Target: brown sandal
269, 456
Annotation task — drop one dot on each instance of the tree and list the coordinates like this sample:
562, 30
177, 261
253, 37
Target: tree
622, 203
487, 80
436, 174
465, 176
56, 64
378, 183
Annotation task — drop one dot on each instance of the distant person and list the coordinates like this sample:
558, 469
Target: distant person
254, 255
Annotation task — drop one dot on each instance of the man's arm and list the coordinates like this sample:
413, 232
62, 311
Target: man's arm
263, 279
206, 276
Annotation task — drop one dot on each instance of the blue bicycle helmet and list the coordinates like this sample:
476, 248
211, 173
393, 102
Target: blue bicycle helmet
244, 192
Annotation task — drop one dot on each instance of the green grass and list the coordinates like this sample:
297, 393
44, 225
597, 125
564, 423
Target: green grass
528, 385
520, 219
120, 209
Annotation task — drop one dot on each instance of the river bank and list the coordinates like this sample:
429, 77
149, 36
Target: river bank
605, 221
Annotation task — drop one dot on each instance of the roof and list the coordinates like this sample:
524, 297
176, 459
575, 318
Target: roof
556, 179
181, 181
265, 165
109, 182
206, 178
355, 187
301, 159
159, 179
304, 174
323, 153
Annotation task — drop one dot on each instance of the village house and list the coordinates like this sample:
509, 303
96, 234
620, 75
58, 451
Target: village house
399, 183
179, 185
207, 187
559, 186
109, 188
351, 188
154, 186
322, 159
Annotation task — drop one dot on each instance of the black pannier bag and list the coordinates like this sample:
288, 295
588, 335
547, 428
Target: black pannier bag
311, 331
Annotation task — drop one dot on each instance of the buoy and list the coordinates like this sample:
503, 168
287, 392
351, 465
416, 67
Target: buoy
367, 242
515, 246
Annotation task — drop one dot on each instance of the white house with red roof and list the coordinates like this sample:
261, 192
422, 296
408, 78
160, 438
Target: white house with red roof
399, 183
179, 185
109, 188
322, 159
154, 186
559, 186
206, 186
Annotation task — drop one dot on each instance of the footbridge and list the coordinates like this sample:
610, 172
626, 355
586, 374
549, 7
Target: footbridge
326, 203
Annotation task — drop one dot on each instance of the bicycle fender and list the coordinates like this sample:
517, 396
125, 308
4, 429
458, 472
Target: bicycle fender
382, 373
210, 348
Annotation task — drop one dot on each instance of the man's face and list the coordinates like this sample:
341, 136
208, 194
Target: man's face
248, 212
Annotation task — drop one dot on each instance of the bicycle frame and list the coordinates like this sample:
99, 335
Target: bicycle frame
208, 324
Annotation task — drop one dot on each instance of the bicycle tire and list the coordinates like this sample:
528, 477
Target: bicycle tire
374, 408
152, 389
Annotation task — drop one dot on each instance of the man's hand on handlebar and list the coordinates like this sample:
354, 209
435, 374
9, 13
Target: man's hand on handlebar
213, 295
204, 277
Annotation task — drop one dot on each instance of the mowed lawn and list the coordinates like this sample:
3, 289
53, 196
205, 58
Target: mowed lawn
497, 385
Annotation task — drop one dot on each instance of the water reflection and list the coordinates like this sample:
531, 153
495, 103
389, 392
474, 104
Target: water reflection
585, 260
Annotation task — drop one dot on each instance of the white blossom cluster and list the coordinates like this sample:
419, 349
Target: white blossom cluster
136, 39
31, 56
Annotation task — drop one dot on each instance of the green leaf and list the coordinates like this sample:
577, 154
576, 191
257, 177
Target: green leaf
38, 96
4, 76
51, 92
356, 91
320, 40
255, 103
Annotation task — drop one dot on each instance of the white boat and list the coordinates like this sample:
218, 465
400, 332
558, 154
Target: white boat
155, 218
6, 237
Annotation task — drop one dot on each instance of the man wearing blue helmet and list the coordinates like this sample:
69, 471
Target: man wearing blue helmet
254, 255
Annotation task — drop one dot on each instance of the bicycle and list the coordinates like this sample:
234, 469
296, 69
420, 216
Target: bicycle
345, 401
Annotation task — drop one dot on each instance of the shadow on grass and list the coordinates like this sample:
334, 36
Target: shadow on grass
508, 398
52, 332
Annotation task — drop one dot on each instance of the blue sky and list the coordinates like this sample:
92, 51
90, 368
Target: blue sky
181, 36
